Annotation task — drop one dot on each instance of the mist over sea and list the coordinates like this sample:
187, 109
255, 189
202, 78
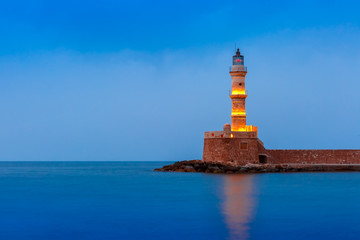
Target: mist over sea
127, 200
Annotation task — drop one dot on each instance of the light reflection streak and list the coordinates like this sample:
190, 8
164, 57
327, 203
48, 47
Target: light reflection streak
238, 204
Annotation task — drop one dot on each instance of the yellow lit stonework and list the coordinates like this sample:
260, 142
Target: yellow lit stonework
236, 113
238, 92
246, 128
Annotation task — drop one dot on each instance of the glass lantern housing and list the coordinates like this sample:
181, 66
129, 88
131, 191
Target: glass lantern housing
238, 59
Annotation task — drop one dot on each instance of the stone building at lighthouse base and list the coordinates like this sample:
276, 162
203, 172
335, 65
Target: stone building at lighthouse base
241, 148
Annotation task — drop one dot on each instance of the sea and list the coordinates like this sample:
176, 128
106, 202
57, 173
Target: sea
128, 200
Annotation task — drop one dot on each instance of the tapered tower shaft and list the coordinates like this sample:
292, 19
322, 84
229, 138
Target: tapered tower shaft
238, 94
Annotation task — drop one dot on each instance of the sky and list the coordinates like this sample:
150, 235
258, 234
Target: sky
143, 80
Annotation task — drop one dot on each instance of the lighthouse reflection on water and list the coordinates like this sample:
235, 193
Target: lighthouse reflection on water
239, 204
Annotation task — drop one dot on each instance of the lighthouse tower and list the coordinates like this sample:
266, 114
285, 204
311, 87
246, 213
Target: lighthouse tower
238, 95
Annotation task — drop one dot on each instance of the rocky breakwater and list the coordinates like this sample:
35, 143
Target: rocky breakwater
204, 167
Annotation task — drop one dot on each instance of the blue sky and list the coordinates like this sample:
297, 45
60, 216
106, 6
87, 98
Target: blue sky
141, 80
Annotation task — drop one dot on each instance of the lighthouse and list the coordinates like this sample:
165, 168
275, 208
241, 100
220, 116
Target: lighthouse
238, 143
238, 95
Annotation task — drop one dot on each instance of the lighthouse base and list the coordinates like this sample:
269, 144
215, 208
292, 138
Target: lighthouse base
236, 148
241, 148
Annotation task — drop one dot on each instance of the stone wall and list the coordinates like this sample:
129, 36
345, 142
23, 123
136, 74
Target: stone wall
231, 150
240, 148
314, 156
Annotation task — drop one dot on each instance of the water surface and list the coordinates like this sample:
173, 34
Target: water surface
127, 200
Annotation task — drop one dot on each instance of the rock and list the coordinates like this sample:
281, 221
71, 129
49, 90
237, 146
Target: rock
213, 168
201, 166
189, 168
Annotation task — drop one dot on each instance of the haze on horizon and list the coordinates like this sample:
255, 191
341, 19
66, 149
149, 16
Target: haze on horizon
124, 81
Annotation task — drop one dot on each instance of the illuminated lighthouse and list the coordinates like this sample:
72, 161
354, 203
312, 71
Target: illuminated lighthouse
238, 95
238, 143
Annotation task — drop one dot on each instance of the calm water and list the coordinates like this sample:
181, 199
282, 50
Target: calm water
87, 200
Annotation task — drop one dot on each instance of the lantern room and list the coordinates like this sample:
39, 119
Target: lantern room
238, 59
